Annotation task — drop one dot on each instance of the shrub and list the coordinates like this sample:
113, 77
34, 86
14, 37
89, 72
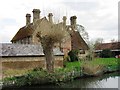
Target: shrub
106, 53
73, 55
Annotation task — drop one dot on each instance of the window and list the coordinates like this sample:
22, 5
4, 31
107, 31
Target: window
82, 51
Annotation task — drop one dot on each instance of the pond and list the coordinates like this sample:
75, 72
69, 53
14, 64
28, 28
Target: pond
105, 81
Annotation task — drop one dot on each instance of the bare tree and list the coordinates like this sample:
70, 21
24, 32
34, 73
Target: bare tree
48, 36
93, 44
113, 40
83, 32
99, 40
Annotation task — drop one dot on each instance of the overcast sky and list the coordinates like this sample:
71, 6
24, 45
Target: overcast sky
99, 17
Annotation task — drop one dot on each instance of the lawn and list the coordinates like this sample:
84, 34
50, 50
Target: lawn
93, 66
96, 61
73, 64
105, 61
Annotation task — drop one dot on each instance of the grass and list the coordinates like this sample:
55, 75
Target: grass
93, 66
73, 64
104, 61
63, 74
14, 72
96, 61
69, 66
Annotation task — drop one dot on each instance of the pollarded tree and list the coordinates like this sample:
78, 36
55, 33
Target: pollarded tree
48, 36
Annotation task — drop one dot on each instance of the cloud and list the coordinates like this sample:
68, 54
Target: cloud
99, 17
8, 32
82, 6
101, 34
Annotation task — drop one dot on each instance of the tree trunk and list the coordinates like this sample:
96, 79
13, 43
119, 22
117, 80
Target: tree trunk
48, 51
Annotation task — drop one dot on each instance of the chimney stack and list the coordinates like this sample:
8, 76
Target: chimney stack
64, 20
36, 14
50, 15
28, 19
73, 21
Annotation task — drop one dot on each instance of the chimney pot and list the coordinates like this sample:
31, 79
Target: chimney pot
28, 19
73, 21
36, 14
50, 15
64, 20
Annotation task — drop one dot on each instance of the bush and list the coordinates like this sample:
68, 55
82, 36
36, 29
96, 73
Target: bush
73, 54
106, 53
39, 76
35, 76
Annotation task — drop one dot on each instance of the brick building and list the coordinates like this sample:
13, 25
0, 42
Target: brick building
27, 34
114, 47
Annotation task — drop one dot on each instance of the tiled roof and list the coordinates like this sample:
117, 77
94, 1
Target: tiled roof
82, 44
24, 32
24, 50
77, 41
111, 46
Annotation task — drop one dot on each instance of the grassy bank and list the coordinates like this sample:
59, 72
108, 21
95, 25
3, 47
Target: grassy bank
14, 72
108, 62
104, 61
69, 72
68, 66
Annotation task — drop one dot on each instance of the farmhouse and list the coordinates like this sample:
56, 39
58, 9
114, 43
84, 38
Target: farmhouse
113, 46
27, 33
26, 51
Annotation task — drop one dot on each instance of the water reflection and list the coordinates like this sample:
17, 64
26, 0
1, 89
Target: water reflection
105, 81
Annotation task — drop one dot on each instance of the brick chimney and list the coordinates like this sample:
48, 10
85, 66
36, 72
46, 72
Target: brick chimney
36, 14
28, 19
50, 15
73, 21
64, 20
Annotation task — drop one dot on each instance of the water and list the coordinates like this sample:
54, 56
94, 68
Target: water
94, 82
104, 81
